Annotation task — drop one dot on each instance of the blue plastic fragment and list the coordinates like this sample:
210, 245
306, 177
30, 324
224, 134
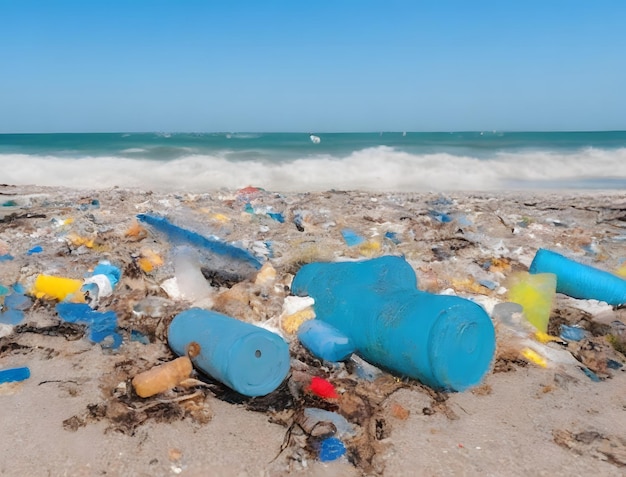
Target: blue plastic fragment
612, 364
112, 272
325, 341
101, 325
351, 237
14, 303
11, 317
365, 370
17, 301
14, 375
277, 216
572, 333
9, 203
331, 449
35, 249
488, 284
19, 288
3, 290
393, 237
139, 337
439, 216
181, 235
578, 280
6, 257
591, 375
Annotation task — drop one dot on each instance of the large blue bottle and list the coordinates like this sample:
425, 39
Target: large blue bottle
445, 342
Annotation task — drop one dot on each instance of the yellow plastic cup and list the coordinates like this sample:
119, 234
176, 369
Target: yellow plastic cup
535, 292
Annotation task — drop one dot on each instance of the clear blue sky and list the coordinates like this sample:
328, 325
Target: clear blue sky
292, 65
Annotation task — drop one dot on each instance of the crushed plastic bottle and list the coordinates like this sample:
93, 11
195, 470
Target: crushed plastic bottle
446, 342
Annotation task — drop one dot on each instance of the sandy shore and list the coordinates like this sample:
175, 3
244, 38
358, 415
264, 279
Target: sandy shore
77, 414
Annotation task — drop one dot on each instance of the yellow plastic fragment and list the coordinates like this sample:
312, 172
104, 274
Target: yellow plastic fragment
535, 292
291, 323
621, 271
546, 338
136, 231
58, 288
370, 248
468, 285
221, 218
149, 260
534, 357
77, 240
163, 377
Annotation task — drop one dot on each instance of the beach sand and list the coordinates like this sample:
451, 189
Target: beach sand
77, 413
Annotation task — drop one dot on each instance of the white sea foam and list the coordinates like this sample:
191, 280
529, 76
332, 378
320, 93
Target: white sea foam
377, 169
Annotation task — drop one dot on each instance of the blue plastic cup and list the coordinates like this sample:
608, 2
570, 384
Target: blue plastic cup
445, 342
578, 280
251, 360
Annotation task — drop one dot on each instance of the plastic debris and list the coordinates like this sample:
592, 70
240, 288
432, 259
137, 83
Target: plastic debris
325, 341
441, 217
536, 294
191, 282
15, 303
35, 249
57, 288
149, 260
14, 375
277, 216
342, 427
101, 325
179, 235
163, 377
393, 237
323, 388
446, 342
352, 238
139, 337
590, 374
365, 370
101, 283
578, 280
572, 333
6, 257
251, 360
331, 449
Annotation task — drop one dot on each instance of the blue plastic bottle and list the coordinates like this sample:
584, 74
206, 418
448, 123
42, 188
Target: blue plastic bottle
578, 280
446, 342
251, 360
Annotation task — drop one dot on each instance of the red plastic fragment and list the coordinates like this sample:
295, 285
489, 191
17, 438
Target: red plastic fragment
322, 388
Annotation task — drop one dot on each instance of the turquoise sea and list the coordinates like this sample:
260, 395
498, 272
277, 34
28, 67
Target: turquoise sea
387, 161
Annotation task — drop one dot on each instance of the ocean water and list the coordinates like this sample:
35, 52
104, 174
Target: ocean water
388, 161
